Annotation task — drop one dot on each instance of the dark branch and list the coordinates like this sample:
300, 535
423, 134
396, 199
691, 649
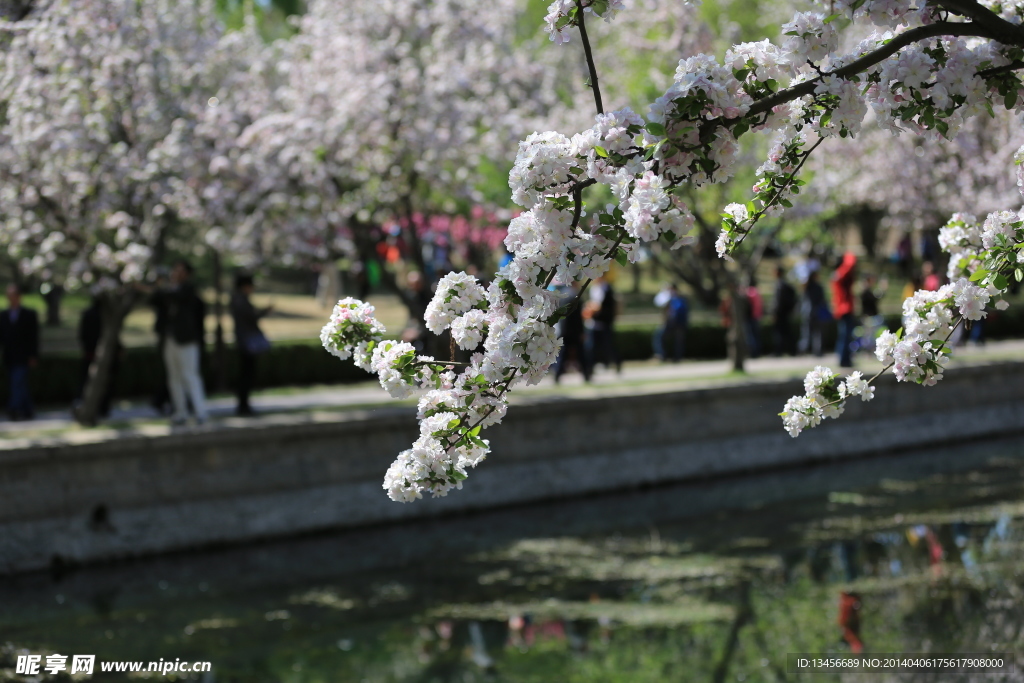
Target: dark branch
577, 209
581, 185
590, 57
1000, 29
996, 70
941, 28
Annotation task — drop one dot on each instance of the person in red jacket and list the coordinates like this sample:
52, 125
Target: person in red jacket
849, 620
842, 302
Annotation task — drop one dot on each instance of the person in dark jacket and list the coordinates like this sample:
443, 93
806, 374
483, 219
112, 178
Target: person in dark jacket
573, 333
783, 304
19, 335
249, 339
184, 312
603, 308
813, 313
675, 323
90, 331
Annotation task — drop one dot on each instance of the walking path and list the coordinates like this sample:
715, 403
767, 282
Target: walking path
635, 376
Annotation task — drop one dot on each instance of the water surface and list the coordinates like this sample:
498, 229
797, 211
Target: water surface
711, 581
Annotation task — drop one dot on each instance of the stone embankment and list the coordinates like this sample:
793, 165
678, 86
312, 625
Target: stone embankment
142, 492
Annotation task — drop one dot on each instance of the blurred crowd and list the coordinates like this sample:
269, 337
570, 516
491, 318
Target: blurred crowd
806, 297
179, 327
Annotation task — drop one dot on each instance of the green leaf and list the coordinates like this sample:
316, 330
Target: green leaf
979, 275
655, 128
621, 258
832, 17
601, 151
1000, 281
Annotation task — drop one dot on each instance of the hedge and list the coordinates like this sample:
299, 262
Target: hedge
58, 377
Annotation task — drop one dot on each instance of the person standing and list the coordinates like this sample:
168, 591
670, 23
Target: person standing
675, 322
573, 333
603, 308
161, 400
929, 278
871, 316
752, 311
249, 339
783, 305
661, 300
183, 340
842, 299
19, 335
813, 312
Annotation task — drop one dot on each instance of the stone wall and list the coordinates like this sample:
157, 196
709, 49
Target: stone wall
150, 491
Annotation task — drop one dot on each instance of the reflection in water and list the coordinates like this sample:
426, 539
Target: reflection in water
703, 582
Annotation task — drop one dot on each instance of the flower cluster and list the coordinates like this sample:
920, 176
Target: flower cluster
457, 294
824, 396
808, 38
352, 331
452, 411
545, 163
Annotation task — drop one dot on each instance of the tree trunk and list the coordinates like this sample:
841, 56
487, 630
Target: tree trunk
328, 286
52, 298
220, 356
736, 335
114, 306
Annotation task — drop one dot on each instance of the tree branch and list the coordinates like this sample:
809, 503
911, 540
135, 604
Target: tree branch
936, 30
996, 70
1001, 30
778, 193
590, 57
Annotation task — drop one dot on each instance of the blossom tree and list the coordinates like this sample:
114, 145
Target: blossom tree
101, 104
388, 110
907, 183
926, 68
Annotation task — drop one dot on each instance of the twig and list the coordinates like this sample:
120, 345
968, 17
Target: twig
487, 414
889, 366
996, 70
577, 209
590, 57
778, 193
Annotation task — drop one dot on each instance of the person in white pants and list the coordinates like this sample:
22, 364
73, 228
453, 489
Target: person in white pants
183, 337
184, 380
